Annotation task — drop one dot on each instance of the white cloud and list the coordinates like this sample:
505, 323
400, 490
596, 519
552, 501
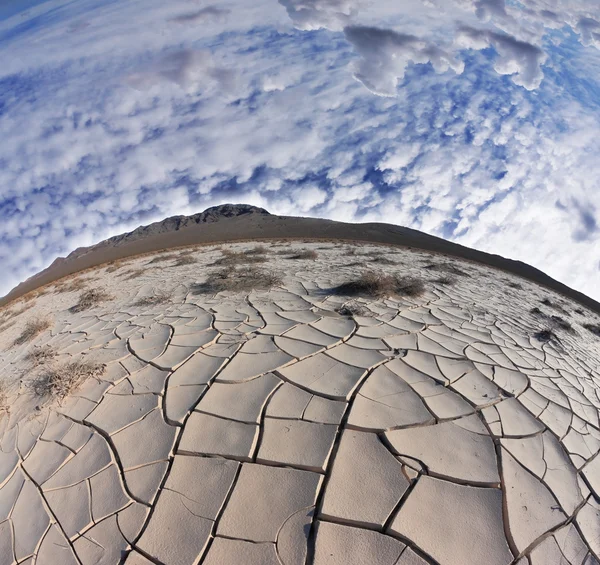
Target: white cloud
187, 68
470, 157
521, 60
310, 15
386, 53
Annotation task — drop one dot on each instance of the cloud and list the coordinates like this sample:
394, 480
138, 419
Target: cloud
519, 59
187, 68
476, 159
309, 15
386, 53
207, 14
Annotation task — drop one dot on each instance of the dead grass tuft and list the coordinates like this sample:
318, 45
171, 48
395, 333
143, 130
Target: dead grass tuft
32, 329
186, 259
305, 254
381, 285
352, 309
558, 322
545, 335
58, 382
70, 286
594, 328
257, 250
446, 268
132, 274
114, 266
41, 355
238, 280
232, 258
555, 322
162, 258
382, 260
159, 297
554, 306
3, 398
445, 280
89, 299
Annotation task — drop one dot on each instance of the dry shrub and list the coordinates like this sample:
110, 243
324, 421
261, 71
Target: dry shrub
3, 398
237, 280
58, 382
594, 328
257, 250
382, 260
132, 274
305, 254
381, 285
32, 329
41, 355
186, 259
114, 266
352, 309
555, 306
558, 322
446, 268
163, 257
232, 258
159, 297
445, 280
70, 286
555, 322
545, 336
89, 299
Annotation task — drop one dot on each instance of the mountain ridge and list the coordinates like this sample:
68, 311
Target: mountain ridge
239, 222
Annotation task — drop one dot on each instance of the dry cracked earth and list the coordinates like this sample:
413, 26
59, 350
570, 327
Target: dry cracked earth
297, 424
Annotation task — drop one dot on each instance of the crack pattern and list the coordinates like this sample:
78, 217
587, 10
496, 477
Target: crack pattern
268, 427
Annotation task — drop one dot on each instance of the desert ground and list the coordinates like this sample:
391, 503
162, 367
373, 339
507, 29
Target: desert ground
295, 403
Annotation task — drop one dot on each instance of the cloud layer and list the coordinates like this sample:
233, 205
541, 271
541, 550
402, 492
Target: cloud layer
485, 128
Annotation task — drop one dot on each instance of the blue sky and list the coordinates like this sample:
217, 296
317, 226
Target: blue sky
468, 119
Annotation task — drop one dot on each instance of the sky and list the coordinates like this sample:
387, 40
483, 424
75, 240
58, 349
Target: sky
473, 120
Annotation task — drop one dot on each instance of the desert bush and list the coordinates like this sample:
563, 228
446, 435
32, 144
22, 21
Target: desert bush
32, 329
132, 274
257, 250
89, 299
555, 322
382, 260
114, 266
3, 398
445, 280
554, 305
594, 328
41, 355
70, 286
159, 297
163, 257
381, 285
58, 382
305, 254
232, 258
237, 280
558, 322
352, 309
446, 268
545, 335
186, 259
